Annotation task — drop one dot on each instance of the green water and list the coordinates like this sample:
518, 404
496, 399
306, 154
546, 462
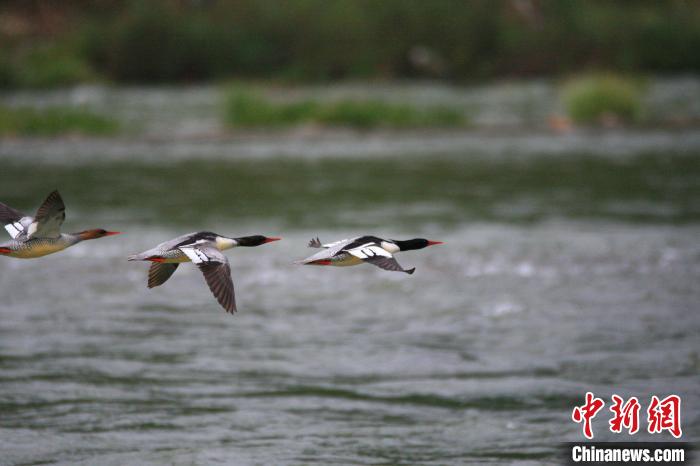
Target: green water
306, 194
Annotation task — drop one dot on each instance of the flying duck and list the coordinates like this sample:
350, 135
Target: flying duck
41, 235
204, 250
364, 249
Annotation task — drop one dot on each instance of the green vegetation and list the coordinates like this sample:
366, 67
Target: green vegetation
53, 121
597, 98
172, 40
249, 109
44, 66
245, 108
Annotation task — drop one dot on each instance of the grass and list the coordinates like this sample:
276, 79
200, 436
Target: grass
245, 108
53, 121
603, 98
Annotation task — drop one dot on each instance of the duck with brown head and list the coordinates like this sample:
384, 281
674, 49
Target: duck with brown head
41, 235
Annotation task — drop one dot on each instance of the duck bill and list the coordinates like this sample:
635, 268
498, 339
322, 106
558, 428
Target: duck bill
433, 243
112, 233
270, 239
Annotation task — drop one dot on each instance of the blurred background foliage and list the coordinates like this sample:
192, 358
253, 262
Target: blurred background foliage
162, 41
244, 107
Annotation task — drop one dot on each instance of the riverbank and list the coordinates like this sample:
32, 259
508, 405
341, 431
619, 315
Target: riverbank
199, 111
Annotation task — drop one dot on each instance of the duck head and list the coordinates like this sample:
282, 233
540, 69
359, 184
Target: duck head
246, 241
415, 243
96, 233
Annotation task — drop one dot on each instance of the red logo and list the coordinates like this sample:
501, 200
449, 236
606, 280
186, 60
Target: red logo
587, 412
625, 415
665, 415
661, 414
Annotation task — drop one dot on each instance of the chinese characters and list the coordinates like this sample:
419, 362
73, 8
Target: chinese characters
662, 414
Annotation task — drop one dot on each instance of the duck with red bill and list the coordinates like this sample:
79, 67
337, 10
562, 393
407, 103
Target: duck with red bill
40, 235
203, 248
365, 250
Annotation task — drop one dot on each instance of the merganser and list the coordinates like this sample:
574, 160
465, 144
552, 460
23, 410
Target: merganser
203, 248
41, 235
364, 249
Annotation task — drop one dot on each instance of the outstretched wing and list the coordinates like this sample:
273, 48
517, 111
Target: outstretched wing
374, 254
14, 221
338, 244
160, 272
329, 250
388, 263
9, 215
315, 243
49, 218
217, 272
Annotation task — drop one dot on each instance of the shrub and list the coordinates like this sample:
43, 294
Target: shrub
595, 98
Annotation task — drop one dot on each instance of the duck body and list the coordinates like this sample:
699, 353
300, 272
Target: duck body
41, 235
364, 249
38, 247
203, 248
169, 252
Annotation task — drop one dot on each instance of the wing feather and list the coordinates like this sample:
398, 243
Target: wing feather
388, 263
218, 277
159, 272
49, 218
14, 221
369, 250
331, 250
9, 215
374, 254
217, 272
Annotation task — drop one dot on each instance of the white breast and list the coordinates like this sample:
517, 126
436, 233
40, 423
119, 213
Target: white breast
391, 247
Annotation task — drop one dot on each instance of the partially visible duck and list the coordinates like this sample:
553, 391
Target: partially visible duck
203, 248
41, 234
364, 249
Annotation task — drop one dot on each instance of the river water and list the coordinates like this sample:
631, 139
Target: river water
571, 264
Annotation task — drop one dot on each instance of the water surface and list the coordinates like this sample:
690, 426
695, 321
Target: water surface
561, 273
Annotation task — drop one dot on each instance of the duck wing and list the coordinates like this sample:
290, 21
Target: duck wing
374, 254
329, 250
159, 272
315, 243
49, 218
388, 263
14, 221
216, 270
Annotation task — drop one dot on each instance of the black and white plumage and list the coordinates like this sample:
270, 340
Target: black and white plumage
41, 234
46, 223
202, 248
364, 249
